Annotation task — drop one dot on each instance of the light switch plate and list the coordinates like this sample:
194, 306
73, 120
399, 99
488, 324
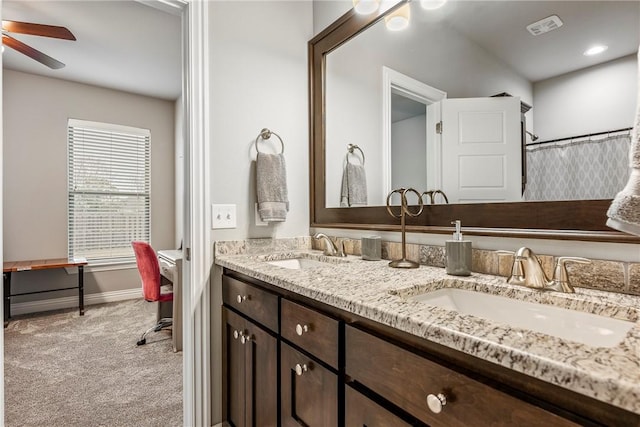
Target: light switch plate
223, 216
259, 221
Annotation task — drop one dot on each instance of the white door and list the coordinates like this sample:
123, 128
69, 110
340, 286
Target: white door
481, 149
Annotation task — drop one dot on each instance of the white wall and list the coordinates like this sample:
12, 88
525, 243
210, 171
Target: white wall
593, 99
35, 170
409, 153
259, 79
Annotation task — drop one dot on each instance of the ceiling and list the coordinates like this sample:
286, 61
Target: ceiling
500, 28
121, 45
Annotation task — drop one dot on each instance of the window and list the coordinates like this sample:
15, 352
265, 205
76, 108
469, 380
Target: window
109, 190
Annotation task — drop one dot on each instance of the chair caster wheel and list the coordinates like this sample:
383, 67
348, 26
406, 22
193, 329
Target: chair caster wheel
142, 342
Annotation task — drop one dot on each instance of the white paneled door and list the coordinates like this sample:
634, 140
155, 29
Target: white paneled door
482, 149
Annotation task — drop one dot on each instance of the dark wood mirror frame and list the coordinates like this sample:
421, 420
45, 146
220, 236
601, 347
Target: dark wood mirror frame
566, 220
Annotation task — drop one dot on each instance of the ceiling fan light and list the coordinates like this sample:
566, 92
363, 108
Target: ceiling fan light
365, 7
399, 19
432, 4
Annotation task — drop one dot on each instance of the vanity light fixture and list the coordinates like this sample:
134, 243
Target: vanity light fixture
365, 7
399, 19
594, 50
432, 4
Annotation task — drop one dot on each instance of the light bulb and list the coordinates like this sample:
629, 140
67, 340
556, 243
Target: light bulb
432, 4
399, 19
365, 7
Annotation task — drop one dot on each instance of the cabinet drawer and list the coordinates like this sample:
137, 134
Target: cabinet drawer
260, 305
362, 411
310, 330
406, 379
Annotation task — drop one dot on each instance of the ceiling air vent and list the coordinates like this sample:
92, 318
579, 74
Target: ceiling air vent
545, 25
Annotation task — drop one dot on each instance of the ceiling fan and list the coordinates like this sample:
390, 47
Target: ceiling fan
34, 30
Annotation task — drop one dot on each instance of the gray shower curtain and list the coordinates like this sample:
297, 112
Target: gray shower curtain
585, 169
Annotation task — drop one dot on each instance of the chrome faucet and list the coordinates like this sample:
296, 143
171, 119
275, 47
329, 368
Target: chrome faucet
527, 271
330, 249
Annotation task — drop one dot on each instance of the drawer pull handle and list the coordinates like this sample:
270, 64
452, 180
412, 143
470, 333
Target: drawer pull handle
301, 329
241, 298
301, 369
236, 334
436, 402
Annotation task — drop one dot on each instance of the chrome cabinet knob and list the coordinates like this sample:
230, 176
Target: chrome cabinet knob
301, 329
241, 298
436, 402
245, 337
301, 369
236, 335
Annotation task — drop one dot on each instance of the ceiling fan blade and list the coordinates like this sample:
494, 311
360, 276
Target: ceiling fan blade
31, 52
37, 30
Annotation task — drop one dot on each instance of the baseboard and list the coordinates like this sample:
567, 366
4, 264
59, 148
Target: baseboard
70, 302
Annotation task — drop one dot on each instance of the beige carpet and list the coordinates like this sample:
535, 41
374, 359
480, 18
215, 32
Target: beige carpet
65, 370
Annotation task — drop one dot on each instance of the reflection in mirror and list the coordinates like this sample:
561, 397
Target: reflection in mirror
475, 50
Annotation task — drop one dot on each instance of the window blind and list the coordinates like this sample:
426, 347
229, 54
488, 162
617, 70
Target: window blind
109, 186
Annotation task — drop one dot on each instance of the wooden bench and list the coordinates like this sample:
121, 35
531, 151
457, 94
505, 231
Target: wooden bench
10, 267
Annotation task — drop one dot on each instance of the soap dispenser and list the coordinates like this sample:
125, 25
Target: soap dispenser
458, 253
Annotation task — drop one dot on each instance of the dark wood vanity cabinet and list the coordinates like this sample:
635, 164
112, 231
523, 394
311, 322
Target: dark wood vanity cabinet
361, 411
250, 355
335, 368
409, 381
309, 391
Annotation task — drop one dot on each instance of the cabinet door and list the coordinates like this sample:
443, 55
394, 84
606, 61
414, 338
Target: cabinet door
262, 377
309, 395
360, 411
234, 374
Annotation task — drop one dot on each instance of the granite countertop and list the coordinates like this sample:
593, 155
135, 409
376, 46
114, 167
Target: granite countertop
375, 291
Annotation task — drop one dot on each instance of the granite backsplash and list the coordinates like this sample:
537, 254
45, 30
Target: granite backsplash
613, 276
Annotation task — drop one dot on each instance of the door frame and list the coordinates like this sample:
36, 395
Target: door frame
411, 88
197, 258
195, 107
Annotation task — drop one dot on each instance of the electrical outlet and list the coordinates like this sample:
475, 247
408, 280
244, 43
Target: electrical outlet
223, 216
259, 221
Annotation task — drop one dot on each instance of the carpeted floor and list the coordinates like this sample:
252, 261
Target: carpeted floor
65, 370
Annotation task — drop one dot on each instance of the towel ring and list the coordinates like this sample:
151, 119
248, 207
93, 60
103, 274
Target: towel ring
266, 134
351, 148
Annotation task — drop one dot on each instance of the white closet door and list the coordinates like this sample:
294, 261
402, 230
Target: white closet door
481, 149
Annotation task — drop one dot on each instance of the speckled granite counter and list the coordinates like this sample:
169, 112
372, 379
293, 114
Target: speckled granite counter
373, 290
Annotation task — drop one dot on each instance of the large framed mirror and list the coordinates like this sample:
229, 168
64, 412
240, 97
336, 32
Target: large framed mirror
365, 81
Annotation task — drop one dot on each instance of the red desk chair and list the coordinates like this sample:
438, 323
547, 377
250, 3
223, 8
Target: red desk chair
149, 270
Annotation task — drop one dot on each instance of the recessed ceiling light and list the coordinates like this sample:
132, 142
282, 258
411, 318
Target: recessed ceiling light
594, 50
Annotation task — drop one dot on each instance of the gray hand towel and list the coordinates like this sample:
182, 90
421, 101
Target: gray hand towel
271, 187
354, 186
624, 212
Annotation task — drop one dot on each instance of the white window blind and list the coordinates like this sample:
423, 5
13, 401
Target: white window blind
109, 190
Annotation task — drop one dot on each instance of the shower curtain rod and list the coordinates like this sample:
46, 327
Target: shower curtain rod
578, 136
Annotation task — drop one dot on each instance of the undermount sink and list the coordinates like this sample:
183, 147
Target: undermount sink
298, 263
585, 328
